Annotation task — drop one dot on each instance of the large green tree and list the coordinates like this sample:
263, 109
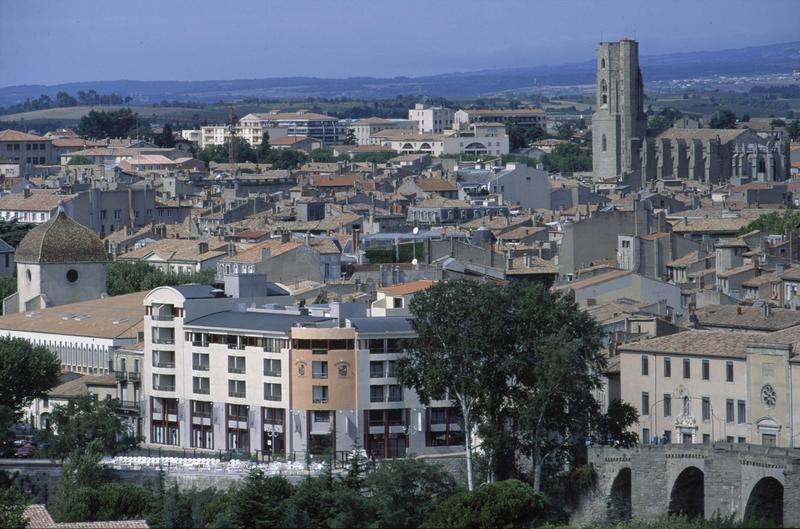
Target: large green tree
260, 501
26, 372
124, 278
557, 367
87, 420
13, 232
568, 158
460, 350
264, 148
723, 119
109, 124
12, 508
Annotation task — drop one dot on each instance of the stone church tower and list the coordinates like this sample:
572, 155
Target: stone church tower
619, 124
58, 262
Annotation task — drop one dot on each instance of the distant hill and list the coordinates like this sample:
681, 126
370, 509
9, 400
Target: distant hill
774, 58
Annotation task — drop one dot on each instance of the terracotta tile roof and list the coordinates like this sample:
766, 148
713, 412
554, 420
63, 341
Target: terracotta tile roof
35, 202
724, 135
337, 180
39, 518
177, 250
288, 140
738, 270
505, 111
436, 185
110, 317
748, 318
14, 135
654, 236
538, 266
407, 288
520, 232
710, 225
594, 280
686, 260
698, 343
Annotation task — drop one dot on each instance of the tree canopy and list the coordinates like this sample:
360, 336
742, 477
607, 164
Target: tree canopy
27, 372
723, 119
87, 420
513, 355
124, 278
109, 124
568, 158
774, 223
520, 136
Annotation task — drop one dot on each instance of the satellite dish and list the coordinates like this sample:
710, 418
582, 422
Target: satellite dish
414, 262
415, 230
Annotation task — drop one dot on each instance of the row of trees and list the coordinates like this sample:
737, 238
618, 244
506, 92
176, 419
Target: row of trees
64, 99
125, 277
523, 365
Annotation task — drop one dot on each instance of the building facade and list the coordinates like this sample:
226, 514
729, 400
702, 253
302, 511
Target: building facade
430, 118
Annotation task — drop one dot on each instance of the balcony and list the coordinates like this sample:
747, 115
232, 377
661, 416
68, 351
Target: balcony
163, 340
319, 400
272, 373
237, 346
319, 374
162, 317
168, 365
164, 387
121, 376
201, 414
200, 343
200, 367
201, 391
129, 405
237, 394
133, 376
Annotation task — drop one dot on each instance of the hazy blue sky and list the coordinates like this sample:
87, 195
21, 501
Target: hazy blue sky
57, 41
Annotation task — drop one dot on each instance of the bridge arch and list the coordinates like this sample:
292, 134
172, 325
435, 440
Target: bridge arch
687, 496
618, 505
765, 502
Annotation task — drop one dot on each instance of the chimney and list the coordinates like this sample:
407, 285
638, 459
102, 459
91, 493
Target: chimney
308, 238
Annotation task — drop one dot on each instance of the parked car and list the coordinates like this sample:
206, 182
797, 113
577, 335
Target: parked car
26, 451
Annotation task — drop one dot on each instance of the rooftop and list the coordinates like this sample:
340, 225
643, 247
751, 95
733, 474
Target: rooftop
113, 317
253, 321
61, 240
747, 318
403, 289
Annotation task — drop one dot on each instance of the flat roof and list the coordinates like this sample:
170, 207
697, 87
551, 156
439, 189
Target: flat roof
388, 324
253, 321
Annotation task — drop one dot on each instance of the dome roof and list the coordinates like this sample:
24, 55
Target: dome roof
61, 240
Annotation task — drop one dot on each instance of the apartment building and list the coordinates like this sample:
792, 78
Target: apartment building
327, 129
25, 149
363, 129
706, 386
430, 118
232, 374
519, 116
479, 139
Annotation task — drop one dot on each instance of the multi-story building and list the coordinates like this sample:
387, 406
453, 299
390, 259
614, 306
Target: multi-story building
705, 386
327, 129
520, 116
478, 139
235, 374
431, 119
363, 129
25, 149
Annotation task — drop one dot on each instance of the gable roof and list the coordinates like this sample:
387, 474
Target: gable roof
15, 135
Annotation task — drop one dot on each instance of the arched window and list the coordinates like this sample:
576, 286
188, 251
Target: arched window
605, 99
602, 63
603, 86
604, 142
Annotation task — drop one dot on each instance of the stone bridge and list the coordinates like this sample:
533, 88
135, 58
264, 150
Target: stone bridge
747, 482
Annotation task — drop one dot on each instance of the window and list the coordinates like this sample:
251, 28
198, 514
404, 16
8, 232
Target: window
72, 275
706, 409
605, 145
322, 416
728, 371
645, 436
667, 367
687, 368
741, 412
376, 394
667, 405
729, 410
237, 389
645, 365
706, 370
319, 394
706, 439
272, 391
741, 440
200, 361
272, 368
768, 439
163, 382
165, 359
376, 370
236, 364
392, 371
319, 369
201, 385
395, 393
645, 403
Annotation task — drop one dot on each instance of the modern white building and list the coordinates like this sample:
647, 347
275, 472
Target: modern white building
363, 129
519, 116
479, 139
430, 118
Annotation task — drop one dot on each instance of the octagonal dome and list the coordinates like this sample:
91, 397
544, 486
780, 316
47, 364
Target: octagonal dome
61, 240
